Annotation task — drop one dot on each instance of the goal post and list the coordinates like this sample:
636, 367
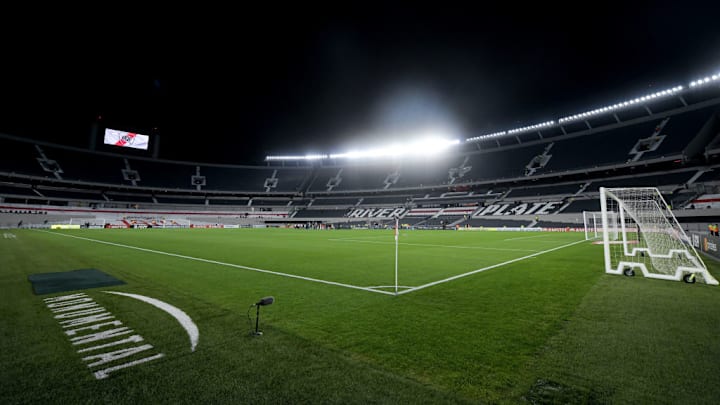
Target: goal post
649, 239
93, 221
592, 221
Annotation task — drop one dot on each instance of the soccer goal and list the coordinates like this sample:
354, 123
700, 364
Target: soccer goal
649, 237
93, 222
593, 225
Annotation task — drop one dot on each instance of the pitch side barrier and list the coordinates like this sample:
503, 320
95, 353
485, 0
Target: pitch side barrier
518, 229
706, 243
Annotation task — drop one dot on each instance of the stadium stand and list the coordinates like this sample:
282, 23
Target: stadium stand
20, 158
171, 199
69, 194
673, 144
128, 197
292, 179
652, 180
281, 202
162, 174
597, 149
85, 166
13, 190
340, 201
501, 164
429, 173
235, 178
388, 200
679, 130
495, 223
320, 214
583, 205
228, 201
368, 177
561, 189
300, 202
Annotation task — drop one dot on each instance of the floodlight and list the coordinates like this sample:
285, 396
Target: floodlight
531, 127
296, 157
636, 100
494, 134
423, 147
705, 80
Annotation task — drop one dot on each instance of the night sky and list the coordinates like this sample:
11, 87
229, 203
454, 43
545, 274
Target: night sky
327, 81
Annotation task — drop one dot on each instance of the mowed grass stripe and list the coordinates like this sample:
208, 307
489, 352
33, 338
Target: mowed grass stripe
489, 268
312, 257
199, 259
430, 245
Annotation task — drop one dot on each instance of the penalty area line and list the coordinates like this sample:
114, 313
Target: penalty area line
238, 266
488, 268
430, 245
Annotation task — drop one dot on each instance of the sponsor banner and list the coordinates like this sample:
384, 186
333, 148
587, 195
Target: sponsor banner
695, 240
265, 214
381, 213
64, 226
458, 211
563, 229
521, 229
534, 208
423, 212
126, 139
706, 243
495, 229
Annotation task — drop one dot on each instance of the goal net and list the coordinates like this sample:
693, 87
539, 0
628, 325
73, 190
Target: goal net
593, 225
649, 238
89, 222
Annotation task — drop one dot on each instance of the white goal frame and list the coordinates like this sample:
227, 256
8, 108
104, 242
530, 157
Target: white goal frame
82, 221
635, 257
592, 221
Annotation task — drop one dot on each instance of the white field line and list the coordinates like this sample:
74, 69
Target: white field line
387, 235
530, 237
185, 321
488, 268
277, 273
430, 245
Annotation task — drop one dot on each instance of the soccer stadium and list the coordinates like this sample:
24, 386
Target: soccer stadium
569, 260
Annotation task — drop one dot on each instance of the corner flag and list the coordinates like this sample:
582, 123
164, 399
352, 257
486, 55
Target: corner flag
397, 222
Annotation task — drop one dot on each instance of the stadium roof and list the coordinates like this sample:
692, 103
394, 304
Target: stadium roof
324, 83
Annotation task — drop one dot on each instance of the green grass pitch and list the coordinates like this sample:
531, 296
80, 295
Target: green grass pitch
547, 326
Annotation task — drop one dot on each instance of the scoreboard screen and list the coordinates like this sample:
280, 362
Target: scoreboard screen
126, 139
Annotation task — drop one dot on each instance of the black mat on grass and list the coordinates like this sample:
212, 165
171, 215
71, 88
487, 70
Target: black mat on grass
47, 283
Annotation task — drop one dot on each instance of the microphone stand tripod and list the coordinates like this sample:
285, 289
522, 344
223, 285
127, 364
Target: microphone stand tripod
257, 322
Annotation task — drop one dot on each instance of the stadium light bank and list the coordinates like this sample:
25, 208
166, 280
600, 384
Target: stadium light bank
430, 148
640, 100
424, 147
